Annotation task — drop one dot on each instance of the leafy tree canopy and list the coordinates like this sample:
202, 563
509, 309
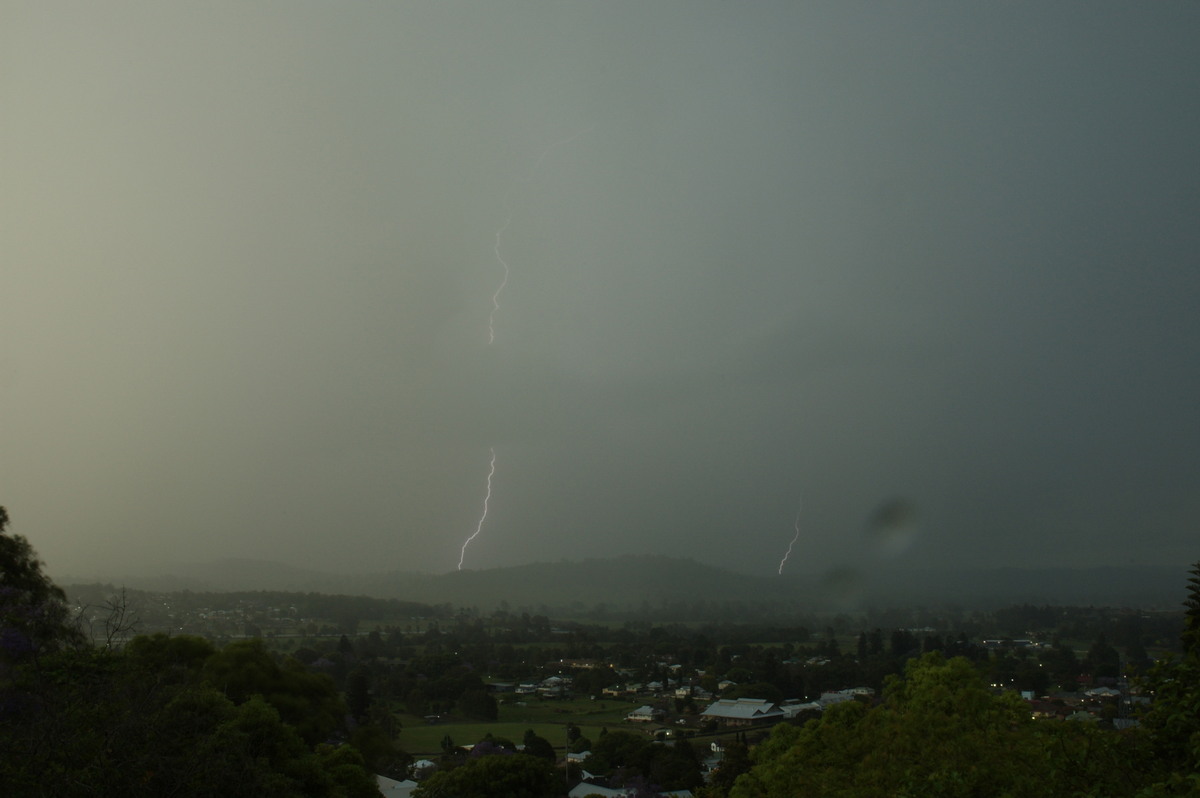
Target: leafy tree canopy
515, 776
941, 732
34, 618
142, 722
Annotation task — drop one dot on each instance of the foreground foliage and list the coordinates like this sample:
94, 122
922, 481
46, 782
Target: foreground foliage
165, 716
498, 775
941, 732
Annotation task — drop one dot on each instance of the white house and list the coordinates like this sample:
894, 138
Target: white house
1102, 692
743, 711
836, 697
792, 709
589, 787
395, 789
646, 714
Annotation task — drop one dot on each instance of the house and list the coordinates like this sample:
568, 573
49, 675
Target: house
395, 789
595, 786
849, 694
743, 711
555, 687
646, 714
422, 768
1039, 708
794, 708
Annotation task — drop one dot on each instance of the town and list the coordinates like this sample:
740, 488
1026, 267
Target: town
438, 681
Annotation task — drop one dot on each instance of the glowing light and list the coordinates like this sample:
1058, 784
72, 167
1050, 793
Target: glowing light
479, 527
507, 221
503, 282
795, 537
496, 308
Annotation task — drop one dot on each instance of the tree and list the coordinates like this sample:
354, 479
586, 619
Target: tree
538, 746
81, 719
478, 705
1103, 659
513, 776
734, 762
379, 750
939, 731
1061, 665
1191, 619
160, 653
34, 618
614, 750
625, 755
308, 701
763, 690
358, 693
123, 727
417, 702
1173, 721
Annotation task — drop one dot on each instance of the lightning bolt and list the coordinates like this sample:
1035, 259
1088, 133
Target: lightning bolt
508, 220
503, 282
496, 308
796, 537
479, 527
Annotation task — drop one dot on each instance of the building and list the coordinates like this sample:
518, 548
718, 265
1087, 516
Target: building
743, 711
646, 714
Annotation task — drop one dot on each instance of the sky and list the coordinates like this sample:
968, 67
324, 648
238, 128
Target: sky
914, 283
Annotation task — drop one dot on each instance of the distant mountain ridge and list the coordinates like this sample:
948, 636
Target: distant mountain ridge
633, 580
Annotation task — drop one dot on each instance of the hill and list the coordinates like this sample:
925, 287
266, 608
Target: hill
656, 582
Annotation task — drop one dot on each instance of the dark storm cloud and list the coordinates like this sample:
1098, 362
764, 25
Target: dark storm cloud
851, 252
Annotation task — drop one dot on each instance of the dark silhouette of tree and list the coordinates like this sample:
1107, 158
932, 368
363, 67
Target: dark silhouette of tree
734, 762
308, 701
939, 731
358, 693
513, 776
1191, 620
624, 756
538, 746
1173, 721
34, 618
1103, 659
478, 705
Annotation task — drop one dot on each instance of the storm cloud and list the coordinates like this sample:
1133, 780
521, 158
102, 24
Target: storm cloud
937, 255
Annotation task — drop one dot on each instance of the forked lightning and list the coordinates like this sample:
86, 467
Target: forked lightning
479, 527
492, 319
795, 537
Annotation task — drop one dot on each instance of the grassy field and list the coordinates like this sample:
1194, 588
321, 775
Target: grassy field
547, 719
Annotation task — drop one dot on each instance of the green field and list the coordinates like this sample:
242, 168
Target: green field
547, 719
